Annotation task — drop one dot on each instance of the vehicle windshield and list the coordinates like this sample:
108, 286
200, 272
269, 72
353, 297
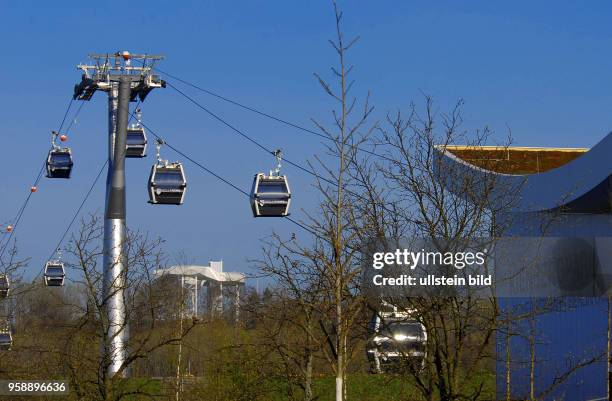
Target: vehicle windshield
55, 271
172, 178
403, 329
135, 138
272, 187
60, 159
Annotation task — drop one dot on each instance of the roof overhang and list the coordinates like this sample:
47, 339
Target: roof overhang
577, 179
204, 273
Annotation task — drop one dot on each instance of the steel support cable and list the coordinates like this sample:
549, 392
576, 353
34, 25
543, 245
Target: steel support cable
278, 119
264, 114
84, 200
217, 176
78, 211
76, 214
66, 114
75, 117
241, 133
250, 139
15, 223
17, 219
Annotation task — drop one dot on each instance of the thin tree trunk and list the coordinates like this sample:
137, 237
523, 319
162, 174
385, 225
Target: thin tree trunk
339, 346
308, 394
532, 352
180, 348
178, 366
608, 350
508, 364
339, 230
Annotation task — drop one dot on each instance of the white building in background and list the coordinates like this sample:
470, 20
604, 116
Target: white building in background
218, 286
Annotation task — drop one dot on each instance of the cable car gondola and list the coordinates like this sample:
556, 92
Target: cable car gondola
270, 194
136, 146
6, 337
396, 342
167, 182
5, 286
59, 160
54, 273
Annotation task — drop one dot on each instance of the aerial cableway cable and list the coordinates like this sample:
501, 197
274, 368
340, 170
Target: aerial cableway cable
268, 115
217, 176
273, 117
249, 138
83, 201
15, 222
76, 214
74, 119
78, 211
266, 149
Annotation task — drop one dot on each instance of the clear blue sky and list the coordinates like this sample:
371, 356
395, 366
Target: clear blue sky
542, 68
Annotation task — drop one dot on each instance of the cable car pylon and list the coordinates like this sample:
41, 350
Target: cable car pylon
124, 83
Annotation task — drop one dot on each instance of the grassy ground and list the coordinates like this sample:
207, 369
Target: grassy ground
361, 387
367, 387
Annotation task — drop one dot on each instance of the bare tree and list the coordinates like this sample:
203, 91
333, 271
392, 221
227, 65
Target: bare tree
403, 192
144, 306
289, 321
323, 278
11, 270
405, 196
335, 253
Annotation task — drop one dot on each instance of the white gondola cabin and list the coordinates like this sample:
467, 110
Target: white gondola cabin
270, 196
54, 273
136, 146
167, 184
59, 163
